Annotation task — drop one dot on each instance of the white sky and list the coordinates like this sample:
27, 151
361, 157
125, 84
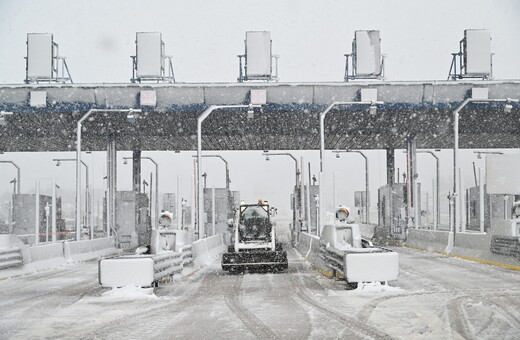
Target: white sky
204, 37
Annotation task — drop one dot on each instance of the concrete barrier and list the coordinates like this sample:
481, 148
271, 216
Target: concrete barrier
431, 240
88, 249
309, 247
204, 250
470, 245
51, 255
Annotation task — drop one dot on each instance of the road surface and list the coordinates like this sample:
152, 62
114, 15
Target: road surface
435, 298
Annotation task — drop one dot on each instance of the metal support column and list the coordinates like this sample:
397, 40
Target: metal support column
390, 180
37, 214
54, 211
136, 170
390, 166
112, 184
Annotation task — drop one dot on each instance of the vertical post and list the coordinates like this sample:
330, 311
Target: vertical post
112, 185
367, 190
390, 180
459, 203
108, 196
302, 194
334, 193
54, 210
213, 210
481, 199
390, 166
18, 180
37, 214
78, 181
179, 203
320, 202
434, 206
408, 184
437, 193
309, 222
47, 215
200, 193
152, 218
415, 196
455, 167
136, 170
113, 195
194, 199
88, 219
156, 192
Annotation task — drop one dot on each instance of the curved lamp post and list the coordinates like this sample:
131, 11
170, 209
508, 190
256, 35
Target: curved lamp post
156, 207
456, 179
200, 120
17, 174
367, 186
296, 172
437, 187
373, 107
87, 187
79, 127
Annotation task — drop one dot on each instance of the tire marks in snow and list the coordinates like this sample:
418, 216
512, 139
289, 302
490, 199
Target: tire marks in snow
232, 300
356, 328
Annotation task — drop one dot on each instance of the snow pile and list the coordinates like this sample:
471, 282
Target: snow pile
129, 292
375, 287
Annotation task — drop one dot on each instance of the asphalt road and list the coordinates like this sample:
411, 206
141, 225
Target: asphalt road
435, 297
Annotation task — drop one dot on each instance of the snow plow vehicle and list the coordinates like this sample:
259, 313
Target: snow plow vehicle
254, 245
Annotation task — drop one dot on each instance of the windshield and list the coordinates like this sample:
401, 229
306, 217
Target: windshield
254, 224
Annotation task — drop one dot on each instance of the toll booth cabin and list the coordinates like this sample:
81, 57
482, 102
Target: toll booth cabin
226, 201
169, 203
496, 208
133, 225
24, 218
392, 218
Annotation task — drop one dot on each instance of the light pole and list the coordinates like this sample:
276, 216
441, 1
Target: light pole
79, 127
373, 108
437, 187
156, 205
296, 175
200, 120
228, 181
367, 183
17, 174
87, 189
456, 179
227, 167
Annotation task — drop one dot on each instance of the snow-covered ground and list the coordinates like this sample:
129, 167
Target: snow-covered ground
435, 298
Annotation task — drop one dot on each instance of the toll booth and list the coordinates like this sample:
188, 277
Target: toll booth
169, 203
226, 202
392, 219
311, 208
133, 224
24, 217
496, 208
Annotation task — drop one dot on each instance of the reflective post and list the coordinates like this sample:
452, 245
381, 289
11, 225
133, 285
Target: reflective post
37, 214
54, 210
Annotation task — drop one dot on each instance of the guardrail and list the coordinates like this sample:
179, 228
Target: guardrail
11, 257
362, 264
505, 245
187, 254
148, 270
334, 259
165, 265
